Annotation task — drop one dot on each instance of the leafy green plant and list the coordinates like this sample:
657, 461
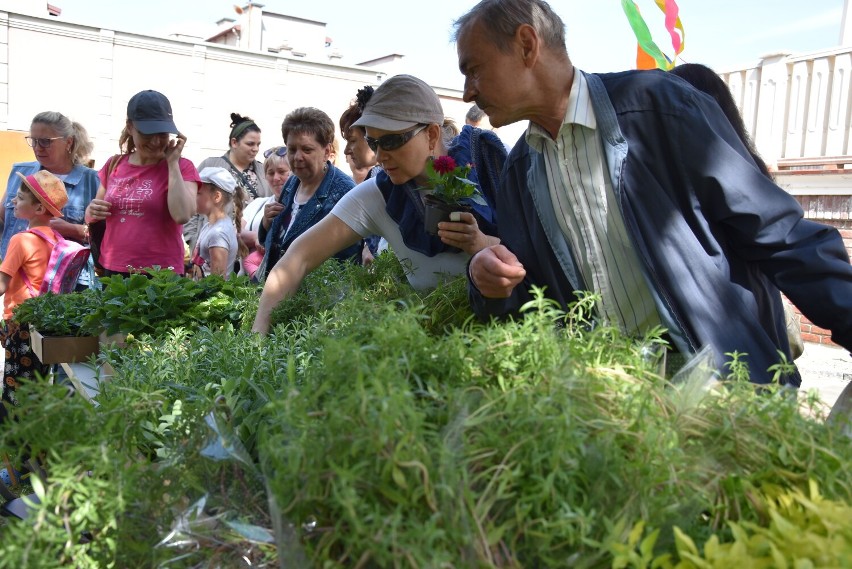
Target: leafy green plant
449, 182
380, 427
58, 314
162, 300
737, 366
799, 530
334, 281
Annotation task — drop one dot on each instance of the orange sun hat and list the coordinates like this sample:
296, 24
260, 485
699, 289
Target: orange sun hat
48, 189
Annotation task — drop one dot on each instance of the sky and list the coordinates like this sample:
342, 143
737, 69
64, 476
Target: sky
724, 34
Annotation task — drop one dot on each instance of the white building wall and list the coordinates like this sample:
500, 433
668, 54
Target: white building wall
89, 74
301, 36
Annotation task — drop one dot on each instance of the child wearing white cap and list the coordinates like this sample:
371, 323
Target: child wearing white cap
218, 247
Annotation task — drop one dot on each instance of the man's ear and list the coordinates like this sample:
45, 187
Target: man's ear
529, 42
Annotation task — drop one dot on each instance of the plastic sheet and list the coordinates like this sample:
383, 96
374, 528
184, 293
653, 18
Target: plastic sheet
210, 532
223, 444
695, 380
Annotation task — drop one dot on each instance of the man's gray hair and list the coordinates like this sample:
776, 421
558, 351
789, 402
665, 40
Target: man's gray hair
474, 114
501, 18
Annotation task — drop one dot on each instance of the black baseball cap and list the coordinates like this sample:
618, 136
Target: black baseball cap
151, 113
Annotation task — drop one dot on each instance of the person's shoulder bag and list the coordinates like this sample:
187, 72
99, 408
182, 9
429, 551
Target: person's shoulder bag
98, 228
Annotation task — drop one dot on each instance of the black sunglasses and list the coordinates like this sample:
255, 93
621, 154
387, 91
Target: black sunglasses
43, 142
278, 150
390, 142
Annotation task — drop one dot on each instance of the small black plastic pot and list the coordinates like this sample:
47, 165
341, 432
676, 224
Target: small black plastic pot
437, 211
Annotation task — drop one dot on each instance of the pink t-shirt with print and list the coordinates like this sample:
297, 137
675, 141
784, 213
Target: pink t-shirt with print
140, 232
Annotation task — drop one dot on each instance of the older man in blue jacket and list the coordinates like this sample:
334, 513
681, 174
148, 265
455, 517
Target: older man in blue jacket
635, 186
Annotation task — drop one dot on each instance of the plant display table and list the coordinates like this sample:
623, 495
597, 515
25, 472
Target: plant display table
86, 379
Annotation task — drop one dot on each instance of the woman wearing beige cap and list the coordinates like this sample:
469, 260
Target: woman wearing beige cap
147, 193
405, 126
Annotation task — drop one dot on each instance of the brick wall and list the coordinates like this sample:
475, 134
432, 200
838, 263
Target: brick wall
837, 212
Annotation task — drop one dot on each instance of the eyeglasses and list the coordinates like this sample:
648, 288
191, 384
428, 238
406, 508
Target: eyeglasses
43, 142
278, 150
390, 142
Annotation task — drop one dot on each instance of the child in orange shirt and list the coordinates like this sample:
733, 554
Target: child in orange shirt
40, 198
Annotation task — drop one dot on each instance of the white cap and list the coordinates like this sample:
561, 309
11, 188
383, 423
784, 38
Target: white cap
219, 177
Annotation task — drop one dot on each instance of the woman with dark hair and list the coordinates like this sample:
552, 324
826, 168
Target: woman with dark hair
705, 79
146, 193
361, 157
357, 150
308, 196
240, 160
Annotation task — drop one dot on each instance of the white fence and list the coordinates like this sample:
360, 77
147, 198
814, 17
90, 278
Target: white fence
798, 108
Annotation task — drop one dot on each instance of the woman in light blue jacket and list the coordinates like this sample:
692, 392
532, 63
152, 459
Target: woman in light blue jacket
61, 147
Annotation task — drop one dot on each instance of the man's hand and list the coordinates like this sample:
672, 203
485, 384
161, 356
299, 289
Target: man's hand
496, 272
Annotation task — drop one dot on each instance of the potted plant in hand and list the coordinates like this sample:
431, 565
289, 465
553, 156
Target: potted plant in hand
450, 190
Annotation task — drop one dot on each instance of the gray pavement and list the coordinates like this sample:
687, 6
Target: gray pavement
826, 369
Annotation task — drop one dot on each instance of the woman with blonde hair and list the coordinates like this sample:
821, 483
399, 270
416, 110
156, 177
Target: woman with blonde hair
277, 172
62, 147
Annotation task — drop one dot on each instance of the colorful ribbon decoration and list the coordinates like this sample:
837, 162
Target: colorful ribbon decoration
648, 55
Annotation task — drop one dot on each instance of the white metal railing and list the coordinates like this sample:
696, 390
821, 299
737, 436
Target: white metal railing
798, 108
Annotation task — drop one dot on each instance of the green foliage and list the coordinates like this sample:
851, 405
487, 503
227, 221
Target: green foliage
158, 301
377, 427
737, 366
797, 530
335, 281
58, 314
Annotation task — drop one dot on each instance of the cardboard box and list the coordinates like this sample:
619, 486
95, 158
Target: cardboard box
63, 349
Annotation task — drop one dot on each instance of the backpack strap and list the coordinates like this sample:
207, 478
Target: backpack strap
44, 236
27, 282
52, 242
242, 177
113, 162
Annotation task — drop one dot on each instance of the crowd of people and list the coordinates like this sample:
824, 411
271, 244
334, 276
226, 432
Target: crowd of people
635, 186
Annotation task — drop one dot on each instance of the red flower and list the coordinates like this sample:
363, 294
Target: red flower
444, 164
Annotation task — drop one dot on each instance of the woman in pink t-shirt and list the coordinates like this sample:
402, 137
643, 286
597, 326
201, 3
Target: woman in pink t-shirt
147, 193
